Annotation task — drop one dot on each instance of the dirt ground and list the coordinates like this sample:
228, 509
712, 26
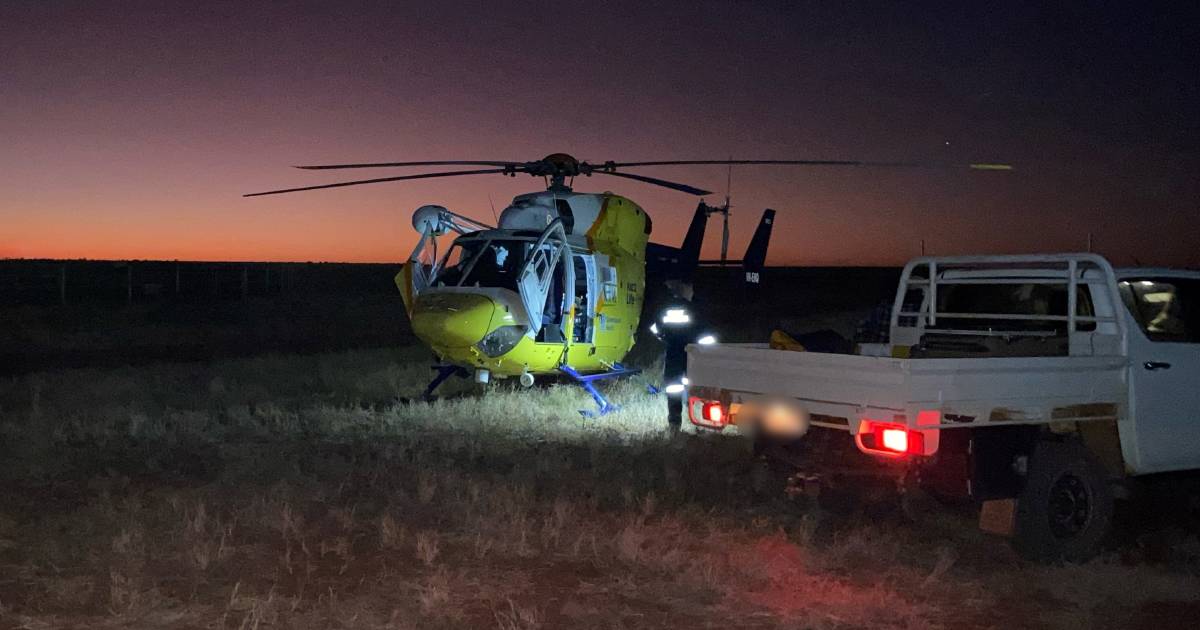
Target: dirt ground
312, 492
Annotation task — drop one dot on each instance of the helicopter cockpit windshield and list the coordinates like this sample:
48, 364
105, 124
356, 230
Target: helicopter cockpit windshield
531, 266
482, 263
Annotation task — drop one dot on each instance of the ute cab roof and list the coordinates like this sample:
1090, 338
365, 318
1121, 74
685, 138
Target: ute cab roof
1132, 273
1031, 273
1033, 267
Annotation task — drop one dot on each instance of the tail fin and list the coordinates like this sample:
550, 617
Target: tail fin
689, 251
756, 254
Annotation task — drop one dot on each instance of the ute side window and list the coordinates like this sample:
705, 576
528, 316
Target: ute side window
1165, 308
1033, 300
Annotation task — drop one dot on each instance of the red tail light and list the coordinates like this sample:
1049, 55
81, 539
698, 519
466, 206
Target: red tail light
706, 413
885, 438
894, 440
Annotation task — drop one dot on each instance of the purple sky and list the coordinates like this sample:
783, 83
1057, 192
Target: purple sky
129, 129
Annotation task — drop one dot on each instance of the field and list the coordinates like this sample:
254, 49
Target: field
257, 458
56, 314
309, 491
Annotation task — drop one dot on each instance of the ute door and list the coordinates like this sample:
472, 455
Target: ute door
1164, 350
537, 279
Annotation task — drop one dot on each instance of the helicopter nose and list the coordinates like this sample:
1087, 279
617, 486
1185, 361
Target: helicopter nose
452, 320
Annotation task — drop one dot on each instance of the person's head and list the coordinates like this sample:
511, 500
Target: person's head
680, 289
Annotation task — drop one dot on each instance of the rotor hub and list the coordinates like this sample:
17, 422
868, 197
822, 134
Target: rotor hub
557, 167
561, 164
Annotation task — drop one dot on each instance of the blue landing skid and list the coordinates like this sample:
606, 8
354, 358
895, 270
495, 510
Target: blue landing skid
587, 380
443, 372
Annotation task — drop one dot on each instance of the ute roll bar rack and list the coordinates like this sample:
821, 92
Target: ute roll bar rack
1070, 270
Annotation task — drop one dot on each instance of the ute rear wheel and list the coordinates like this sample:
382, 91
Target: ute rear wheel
1066, 508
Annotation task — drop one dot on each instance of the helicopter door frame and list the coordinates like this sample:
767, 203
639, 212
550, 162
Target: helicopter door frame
424, 262
537, 275
589, 265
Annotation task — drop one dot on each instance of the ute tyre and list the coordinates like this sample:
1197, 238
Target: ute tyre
1066, 509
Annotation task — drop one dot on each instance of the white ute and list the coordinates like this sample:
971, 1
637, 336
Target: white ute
1033, 384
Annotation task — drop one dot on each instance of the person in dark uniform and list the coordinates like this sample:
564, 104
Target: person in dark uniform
677, 325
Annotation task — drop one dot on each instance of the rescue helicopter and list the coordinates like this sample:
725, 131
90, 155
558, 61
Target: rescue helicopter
558, 286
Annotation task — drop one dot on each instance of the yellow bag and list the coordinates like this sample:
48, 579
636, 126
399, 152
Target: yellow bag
783, 341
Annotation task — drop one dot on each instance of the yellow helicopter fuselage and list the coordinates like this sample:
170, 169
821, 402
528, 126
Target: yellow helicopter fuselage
487, 306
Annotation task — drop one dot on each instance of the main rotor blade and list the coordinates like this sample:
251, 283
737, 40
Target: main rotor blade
974, 166
691, 190
321, 167
379, 180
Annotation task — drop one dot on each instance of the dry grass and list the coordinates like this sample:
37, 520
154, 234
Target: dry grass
297, 492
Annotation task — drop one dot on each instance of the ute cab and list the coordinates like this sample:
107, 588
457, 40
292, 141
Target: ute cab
559, 280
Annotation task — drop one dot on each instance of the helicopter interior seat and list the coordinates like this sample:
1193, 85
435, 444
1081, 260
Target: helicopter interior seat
552, 312
582, 323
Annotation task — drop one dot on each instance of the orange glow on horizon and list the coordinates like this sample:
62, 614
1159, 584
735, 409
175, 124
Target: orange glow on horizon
130, 132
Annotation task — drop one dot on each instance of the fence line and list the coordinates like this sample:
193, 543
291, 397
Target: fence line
82, 282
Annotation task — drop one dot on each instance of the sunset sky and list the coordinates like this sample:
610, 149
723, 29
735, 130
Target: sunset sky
130, 129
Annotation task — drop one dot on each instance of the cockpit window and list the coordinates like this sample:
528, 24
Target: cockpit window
497, 265
456, 261
483, 263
